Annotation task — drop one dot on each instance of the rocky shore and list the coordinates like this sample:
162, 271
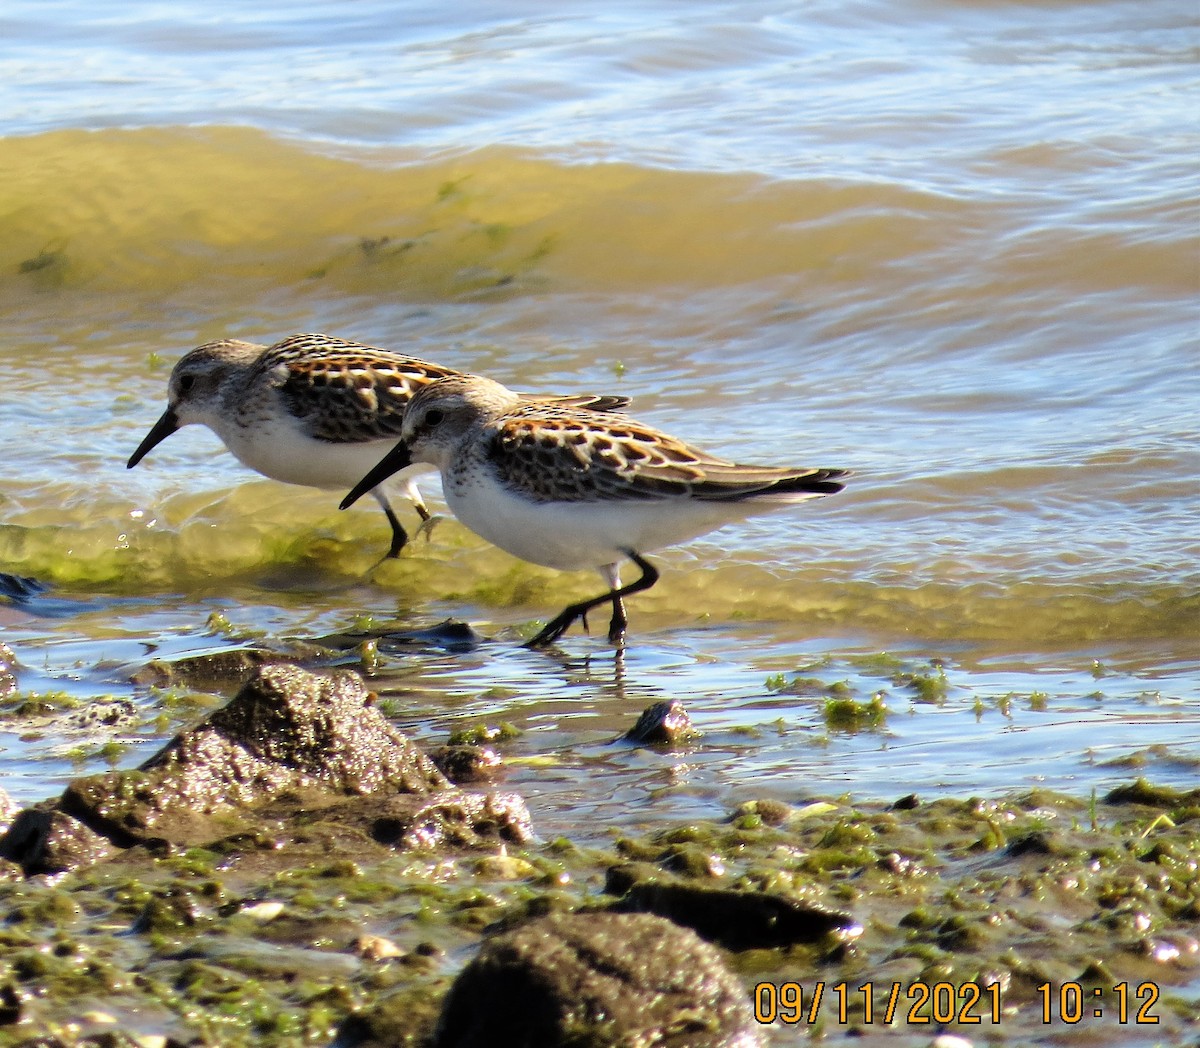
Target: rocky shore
292, 870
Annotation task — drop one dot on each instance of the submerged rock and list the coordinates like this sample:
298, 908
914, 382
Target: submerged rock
737, 920
663, 724
45, 840
448, 635
225, 670
448, 819
462, 763
310, 740
597, 980
18, 588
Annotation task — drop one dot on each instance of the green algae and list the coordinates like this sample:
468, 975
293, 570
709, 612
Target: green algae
849, 715
482, 734
928, 685
847, 710
37, 704
237, 945
1142, 792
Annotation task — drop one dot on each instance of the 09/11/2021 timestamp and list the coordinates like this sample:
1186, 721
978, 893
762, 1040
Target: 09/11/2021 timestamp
1071, 1002
944, 1002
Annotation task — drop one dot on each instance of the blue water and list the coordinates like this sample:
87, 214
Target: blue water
953, 247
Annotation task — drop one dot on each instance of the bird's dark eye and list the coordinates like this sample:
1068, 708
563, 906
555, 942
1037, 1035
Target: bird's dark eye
186, 382
434, 417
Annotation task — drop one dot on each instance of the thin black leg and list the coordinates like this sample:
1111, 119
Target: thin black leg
616, 626
559, 625
399, 535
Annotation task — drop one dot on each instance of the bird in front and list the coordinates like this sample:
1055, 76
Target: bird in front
571, 489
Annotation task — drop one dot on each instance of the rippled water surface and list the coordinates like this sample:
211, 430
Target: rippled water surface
952, 247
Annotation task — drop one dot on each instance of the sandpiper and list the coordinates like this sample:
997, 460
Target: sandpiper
311, 410
572, 489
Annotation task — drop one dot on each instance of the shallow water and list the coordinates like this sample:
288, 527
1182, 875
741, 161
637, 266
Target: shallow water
952, 247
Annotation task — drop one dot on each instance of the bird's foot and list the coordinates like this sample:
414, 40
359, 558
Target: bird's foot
554, 629
429, 521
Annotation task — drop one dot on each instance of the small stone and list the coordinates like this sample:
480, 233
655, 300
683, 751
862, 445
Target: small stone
950, 1040
504, 867
663, 724
99, 1018
376, 948
264, 911
771, 812
45, 840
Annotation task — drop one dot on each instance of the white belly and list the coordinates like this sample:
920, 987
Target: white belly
282, 453
575, 535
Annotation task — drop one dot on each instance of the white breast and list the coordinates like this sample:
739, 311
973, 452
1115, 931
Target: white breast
574, 535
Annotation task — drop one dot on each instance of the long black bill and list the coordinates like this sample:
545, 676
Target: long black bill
393, 462
162, 429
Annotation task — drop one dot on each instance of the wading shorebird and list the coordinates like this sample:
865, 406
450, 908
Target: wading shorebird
573, 489
311, 410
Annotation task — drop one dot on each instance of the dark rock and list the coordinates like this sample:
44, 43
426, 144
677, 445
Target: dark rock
737, 920
622, 876
451, 819
772, 812
289, 751
909, 802
663, 724
46, 840
287, 729
450, 635
19, 588
406, 1017
1060, 844
10, 1005
597, 980
1037, 842
291, 748
222, 671
463, 764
